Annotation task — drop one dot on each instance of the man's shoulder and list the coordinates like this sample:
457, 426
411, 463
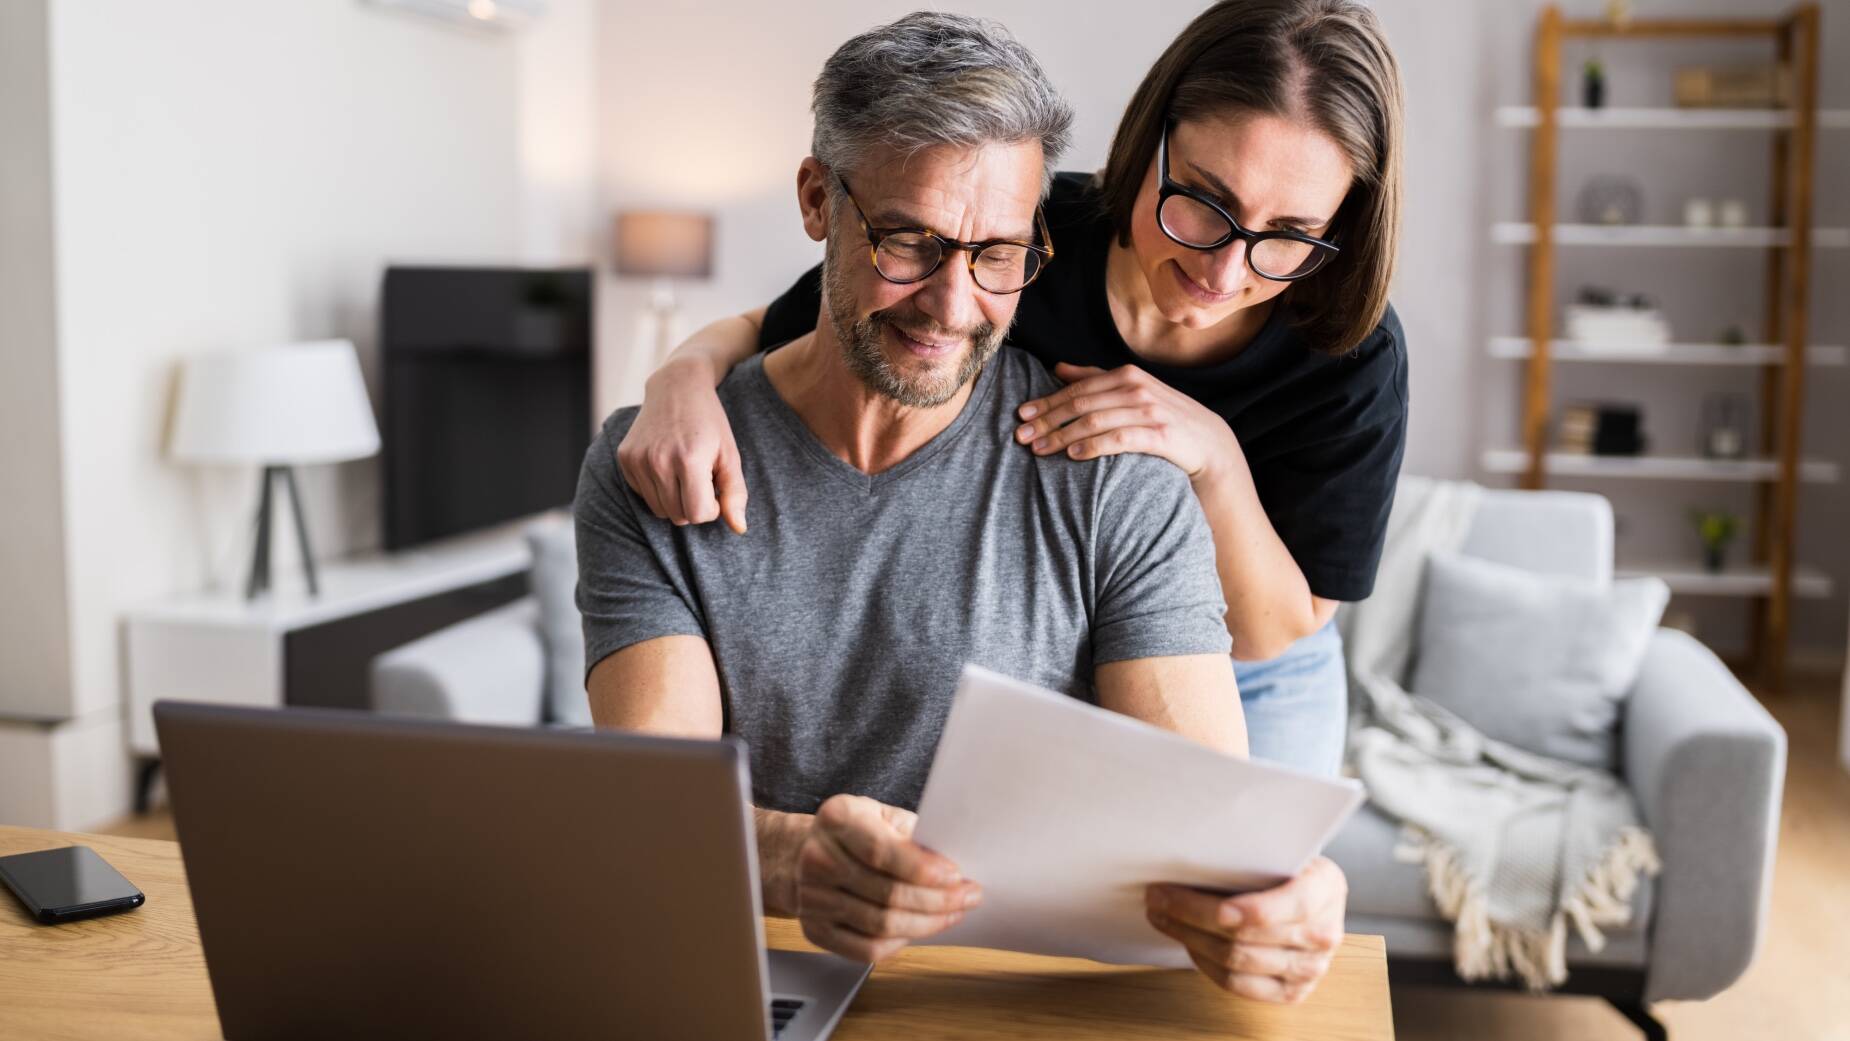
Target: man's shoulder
1022, 377
616, 425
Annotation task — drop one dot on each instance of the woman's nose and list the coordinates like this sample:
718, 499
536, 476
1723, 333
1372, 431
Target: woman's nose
1227, 270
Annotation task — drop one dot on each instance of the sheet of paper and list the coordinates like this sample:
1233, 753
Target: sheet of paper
1064, 811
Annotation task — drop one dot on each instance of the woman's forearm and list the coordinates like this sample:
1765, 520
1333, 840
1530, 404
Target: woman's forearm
715, 348
1269, 602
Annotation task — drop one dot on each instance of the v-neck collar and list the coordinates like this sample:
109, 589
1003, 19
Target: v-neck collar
753, 372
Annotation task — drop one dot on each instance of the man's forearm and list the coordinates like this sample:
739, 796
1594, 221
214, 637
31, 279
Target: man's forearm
780, 836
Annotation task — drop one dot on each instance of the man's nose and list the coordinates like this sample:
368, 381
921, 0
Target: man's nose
950, 296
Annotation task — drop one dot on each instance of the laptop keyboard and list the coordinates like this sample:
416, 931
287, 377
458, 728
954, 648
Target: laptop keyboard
783, 1010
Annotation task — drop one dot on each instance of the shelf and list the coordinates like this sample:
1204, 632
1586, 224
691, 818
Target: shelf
1516, 348
1742, 580
1522, 233
1656, 467
1527, 116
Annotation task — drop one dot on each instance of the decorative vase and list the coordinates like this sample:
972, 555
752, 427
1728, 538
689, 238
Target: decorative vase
1715, 558
1593, 88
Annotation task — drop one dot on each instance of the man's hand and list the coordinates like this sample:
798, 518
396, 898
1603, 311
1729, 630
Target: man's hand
1272, 945
865, 889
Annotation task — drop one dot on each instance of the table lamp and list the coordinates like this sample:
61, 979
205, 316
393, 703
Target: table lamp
278, 407
664, 246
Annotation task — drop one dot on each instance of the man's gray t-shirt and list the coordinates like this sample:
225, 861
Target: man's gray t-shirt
840, 622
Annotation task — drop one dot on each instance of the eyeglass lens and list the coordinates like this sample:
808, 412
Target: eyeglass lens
1000, 268
1193, 223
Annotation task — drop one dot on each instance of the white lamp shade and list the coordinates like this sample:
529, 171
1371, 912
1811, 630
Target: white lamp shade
304, 403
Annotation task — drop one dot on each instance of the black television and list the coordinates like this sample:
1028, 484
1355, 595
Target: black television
487, 395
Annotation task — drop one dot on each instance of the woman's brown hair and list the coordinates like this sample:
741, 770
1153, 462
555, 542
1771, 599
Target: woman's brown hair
1323, 62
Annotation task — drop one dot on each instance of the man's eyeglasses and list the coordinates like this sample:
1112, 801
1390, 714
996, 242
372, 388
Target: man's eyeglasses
1190, 218
906, 255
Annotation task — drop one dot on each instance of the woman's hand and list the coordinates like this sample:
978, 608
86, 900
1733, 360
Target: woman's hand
1104, 412
1273, 945
679, 454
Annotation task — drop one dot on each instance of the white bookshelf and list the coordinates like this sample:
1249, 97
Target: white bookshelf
1516, 348
1655, 467
1523, 117
1740, 580
1522, 233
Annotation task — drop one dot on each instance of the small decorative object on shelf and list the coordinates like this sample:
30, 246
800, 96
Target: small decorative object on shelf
1601, 318
1716, 529
1597, 428
1619, 12
1593, 84
1732, 213
1698, 212
1724, 426
1751, 86
1734, 336
1609, 199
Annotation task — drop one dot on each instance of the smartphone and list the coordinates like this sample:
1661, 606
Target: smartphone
66, 884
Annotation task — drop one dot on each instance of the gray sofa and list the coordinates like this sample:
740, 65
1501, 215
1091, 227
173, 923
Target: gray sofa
1705, 761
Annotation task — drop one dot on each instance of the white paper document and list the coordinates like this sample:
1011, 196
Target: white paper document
1064, 812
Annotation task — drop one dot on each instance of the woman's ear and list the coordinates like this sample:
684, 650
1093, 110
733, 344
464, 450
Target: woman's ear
813, 197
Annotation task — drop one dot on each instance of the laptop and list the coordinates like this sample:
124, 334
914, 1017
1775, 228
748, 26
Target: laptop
360, 876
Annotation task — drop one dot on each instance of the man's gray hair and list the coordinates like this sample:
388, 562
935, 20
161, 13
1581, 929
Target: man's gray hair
935, 79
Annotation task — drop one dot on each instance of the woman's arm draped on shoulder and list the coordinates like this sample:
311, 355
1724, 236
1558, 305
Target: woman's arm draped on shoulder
679, 455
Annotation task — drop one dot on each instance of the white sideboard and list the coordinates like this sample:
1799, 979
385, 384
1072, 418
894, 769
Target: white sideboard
219, 647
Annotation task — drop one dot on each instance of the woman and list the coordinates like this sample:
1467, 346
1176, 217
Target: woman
1218, 298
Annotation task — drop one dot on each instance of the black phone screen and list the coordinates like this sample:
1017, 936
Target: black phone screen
69, 882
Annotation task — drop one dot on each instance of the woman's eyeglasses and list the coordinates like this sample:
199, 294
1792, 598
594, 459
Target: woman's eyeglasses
1193, 219
906, 255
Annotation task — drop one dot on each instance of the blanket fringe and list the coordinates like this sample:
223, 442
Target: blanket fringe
1484, 949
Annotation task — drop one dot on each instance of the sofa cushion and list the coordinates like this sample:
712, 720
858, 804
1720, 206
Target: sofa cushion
555, 586
1382, 886
1537, 661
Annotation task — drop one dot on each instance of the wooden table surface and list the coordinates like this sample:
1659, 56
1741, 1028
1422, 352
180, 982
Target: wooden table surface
141, 975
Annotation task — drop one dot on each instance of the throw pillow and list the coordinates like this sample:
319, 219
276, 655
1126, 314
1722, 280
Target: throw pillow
1537, 661
555, 587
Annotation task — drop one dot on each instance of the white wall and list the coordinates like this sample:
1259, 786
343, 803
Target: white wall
556, 61
226, 175
230, 175
34, 650
708, 108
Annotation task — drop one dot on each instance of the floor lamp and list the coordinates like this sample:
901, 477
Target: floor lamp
663, 246
279, 408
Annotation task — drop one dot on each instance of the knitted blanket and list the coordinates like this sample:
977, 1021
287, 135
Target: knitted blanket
1516, 846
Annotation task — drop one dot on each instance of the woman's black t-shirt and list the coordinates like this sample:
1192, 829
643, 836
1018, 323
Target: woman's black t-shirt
1323, 435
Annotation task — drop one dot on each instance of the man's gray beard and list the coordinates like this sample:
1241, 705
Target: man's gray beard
861, 347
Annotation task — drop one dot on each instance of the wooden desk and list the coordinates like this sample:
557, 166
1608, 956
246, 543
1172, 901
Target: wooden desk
141, 975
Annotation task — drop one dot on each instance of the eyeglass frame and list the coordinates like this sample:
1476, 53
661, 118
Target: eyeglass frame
946, 246
1168, 187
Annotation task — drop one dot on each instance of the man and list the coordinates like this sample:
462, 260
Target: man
897, 532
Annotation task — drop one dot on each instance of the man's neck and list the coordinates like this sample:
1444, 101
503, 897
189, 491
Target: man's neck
858, 425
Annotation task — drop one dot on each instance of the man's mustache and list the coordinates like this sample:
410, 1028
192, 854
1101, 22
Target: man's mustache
919, 327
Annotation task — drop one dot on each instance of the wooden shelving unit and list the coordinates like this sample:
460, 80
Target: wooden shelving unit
1517, 348
1784, 353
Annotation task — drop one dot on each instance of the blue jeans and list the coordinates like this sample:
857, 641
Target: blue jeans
1297, 704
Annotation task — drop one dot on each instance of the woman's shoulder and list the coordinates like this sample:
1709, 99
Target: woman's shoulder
1373, 373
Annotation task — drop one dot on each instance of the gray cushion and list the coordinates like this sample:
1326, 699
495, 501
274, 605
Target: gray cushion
1537, 661
555, 586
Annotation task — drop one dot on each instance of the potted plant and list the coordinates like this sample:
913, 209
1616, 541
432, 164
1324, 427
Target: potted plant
1593, 84
1717, 529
